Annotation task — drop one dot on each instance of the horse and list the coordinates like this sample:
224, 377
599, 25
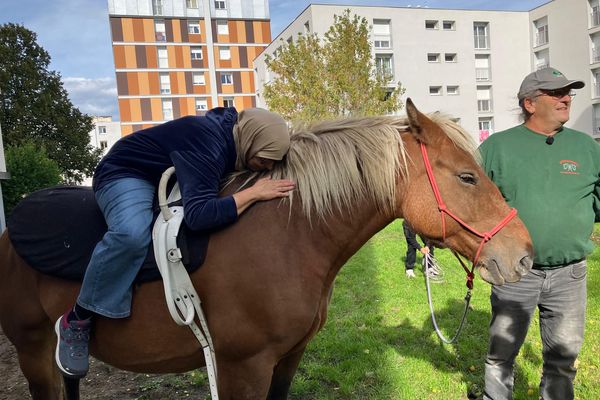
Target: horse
267, 280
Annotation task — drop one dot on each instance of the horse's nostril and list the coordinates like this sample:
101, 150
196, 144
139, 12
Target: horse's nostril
525, 265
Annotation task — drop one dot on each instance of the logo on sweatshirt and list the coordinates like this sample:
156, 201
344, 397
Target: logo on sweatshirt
569, 167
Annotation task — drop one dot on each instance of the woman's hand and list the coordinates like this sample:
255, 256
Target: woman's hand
267, 188
263, 189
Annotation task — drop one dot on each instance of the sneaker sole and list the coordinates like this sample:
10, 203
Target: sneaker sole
57, 358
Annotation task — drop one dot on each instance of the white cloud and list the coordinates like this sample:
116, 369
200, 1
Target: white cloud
94, 96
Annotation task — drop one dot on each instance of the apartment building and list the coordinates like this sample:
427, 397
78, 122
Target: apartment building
470, 63
105, 133
182, 57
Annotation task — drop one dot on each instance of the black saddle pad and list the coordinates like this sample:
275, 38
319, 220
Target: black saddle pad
55, 231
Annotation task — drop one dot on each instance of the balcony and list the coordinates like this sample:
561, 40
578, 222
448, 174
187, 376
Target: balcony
595, 17
482, 42
484, 105
482, 74
541, 36
596, 54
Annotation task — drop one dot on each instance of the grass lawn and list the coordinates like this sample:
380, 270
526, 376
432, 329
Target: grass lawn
379, 343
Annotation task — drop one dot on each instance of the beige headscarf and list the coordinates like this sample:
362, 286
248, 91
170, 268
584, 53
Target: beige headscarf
260, 133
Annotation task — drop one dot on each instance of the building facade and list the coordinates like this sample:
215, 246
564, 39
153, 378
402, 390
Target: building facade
182, 57
470, 63
106, 132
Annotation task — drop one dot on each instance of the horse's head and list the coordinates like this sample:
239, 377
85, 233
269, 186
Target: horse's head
467, 193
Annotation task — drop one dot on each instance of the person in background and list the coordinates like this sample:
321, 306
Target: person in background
551, 175
412, 246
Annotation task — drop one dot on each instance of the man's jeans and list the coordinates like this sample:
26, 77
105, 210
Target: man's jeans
560, 295
127, 207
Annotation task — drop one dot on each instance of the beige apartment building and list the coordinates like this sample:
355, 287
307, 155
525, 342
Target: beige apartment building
470, 63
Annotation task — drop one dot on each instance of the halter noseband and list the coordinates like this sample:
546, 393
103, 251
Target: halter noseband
485, 237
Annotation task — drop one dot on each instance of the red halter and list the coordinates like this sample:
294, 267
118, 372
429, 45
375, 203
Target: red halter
485, 237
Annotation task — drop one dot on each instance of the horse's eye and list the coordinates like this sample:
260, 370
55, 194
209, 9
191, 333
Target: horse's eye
468, 179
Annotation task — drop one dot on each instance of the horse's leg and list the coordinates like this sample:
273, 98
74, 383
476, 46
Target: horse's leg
35, 350
283, 374
71, 388
245, 379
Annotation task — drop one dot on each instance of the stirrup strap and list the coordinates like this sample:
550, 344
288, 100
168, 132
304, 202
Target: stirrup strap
182, 300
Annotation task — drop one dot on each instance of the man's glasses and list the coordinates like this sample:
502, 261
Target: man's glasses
556, 94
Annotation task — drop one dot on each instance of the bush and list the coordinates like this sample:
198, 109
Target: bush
30, 169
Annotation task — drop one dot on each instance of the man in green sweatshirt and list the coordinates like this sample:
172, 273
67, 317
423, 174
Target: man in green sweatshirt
550, 174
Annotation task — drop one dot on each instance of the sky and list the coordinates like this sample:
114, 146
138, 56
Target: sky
76, 35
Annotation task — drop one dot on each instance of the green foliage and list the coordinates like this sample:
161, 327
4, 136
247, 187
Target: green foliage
317, 79
35, 107
30, 169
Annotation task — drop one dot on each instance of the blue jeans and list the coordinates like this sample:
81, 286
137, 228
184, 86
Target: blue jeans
560, 295
127, 207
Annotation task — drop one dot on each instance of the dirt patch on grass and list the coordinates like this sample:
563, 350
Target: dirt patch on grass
104, 382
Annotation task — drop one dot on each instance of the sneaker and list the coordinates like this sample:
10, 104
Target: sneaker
72, 347
410, 273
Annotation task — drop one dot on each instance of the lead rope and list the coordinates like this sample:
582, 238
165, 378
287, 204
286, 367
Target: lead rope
429, 264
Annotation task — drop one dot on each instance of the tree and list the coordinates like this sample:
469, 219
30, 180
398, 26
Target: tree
35, 108
317, 79
31, 169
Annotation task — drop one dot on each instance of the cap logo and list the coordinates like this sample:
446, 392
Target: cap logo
556, 73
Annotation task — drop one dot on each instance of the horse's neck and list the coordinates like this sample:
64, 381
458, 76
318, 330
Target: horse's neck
343, 235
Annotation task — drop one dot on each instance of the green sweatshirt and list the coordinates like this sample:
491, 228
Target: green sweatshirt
555, 188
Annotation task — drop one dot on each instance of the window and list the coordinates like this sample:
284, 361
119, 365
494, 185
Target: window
220, 5
222, 27
193, 27
226, 78
167, 109
596, 93
595, 16
160, 33
157, 7
486, 128
450, 57
381, 34
384, 65
165, 84
435, 90
452, 90
224, 53
448, 25
481, 35
163, 58
484, 98
102, 130
191, 3
433, 57
596, 110
196, 53
542, 59
541, 31
103, 144
429, 24
482, 67
198, 78
201, 105
307, 27
228, 102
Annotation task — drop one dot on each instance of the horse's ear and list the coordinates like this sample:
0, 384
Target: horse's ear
413, 120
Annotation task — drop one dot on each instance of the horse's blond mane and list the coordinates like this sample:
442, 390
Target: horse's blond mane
336, 164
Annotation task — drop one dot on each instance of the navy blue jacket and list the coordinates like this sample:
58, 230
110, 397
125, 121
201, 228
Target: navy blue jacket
203, 152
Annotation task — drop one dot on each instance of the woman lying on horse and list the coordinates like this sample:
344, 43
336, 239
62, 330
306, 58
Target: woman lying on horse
203, 150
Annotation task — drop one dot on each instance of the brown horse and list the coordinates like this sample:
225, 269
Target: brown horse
266, 281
